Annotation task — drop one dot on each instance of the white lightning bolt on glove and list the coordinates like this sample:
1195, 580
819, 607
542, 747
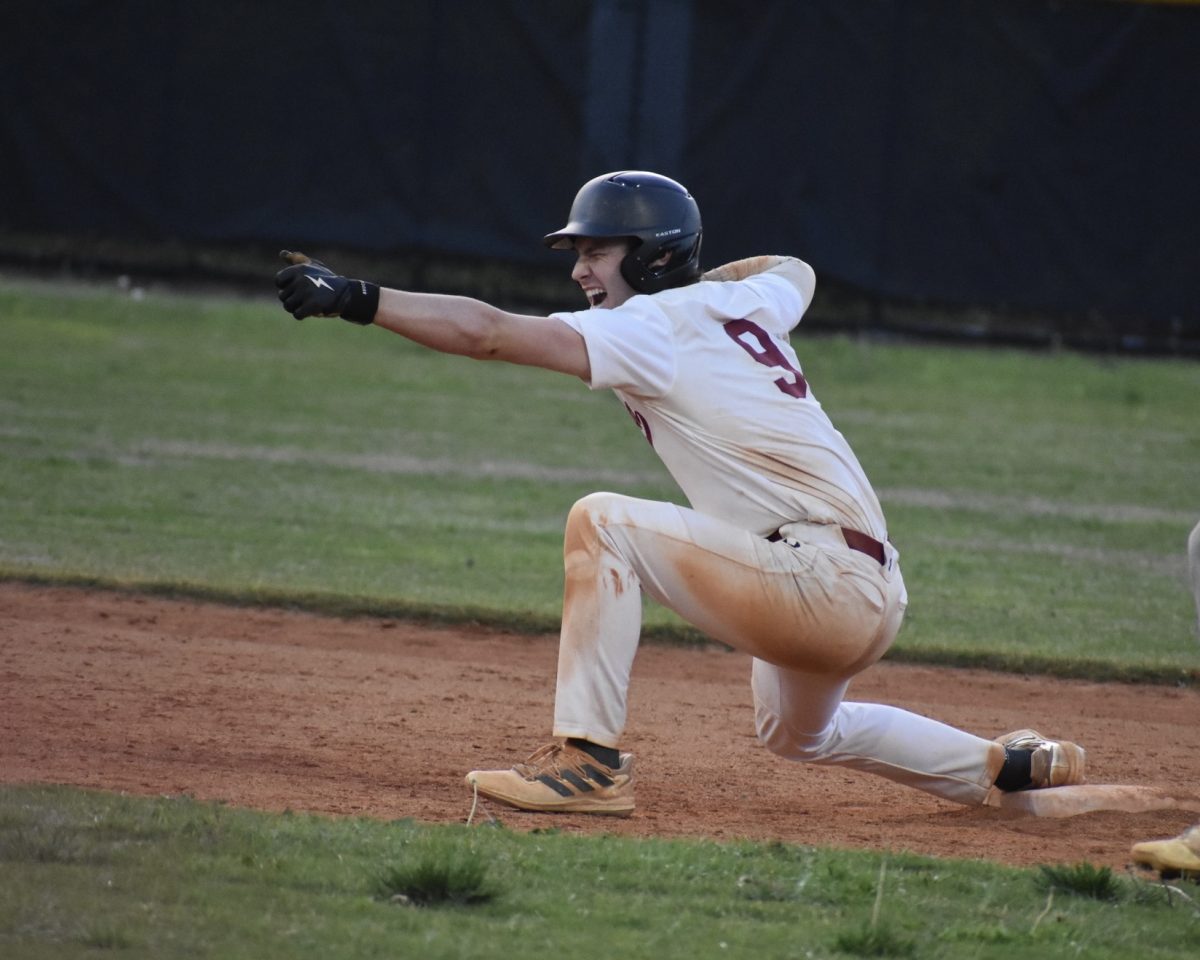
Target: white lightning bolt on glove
308, 288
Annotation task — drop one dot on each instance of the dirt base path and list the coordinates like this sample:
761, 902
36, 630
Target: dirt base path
275, 710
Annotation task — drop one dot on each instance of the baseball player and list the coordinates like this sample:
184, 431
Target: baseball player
783, 552
1194, 568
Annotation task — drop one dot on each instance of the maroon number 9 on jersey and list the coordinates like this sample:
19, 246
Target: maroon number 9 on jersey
767, 353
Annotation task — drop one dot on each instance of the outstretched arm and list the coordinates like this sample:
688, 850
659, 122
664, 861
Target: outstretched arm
476, 329
449, 324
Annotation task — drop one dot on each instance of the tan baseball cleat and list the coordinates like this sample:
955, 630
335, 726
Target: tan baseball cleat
560, 778
1054, 763
1180, 855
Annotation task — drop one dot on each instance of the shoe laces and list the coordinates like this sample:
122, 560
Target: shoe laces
553, 758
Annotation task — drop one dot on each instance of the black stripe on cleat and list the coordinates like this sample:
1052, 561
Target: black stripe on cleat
560, 788
600, 778
577, 781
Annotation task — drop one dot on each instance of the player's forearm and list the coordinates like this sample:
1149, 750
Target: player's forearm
796, 272
741, 269
476, 329
447, 323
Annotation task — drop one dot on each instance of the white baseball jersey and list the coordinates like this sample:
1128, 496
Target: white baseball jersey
708, 374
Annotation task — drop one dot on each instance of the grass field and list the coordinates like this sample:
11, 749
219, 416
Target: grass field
214, 447
92, 875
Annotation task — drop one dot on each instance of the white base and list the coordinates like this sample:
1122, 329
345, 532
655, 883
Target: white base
1089, 797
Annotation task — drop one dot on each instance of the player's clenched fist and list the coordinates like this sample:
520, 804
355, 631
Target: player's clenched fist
308, 288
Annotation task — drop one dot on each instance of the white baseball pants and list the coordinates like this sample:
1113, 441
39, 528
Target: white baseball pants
810, 611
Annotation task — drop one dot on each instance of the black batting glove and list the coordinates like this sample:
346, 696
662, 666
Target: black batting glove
308, 288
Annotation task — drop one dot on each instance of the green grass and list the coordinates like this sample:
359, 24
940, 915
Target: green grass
1082, 880
442, 875
214, 446
89, 874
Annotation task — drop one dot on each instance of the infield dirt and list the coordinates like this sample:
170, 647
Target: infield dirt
278, 710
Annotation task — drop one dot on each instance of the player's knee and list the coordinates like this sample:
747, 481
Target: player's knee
592, 506
592, 512
776, 737
769, 731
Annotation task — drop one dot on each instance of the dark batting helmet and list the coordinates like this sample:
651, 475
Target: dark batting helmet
655, 212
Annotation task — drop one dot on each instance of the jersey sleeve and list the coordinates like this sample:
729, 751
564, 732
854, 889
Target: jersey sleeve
772, 301
630, 348
785, 299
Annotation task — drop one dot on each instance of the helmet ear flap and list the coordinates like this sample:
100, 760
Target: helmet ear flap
682, 265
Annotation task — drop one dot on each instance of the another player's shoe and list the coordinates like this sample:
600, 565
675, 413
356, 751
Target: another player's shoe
1053, 763
1180, 855
560, 778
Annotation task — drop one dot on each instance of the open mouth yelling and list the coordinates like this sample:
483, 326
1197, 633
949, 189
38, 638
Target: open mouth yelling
595, 295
